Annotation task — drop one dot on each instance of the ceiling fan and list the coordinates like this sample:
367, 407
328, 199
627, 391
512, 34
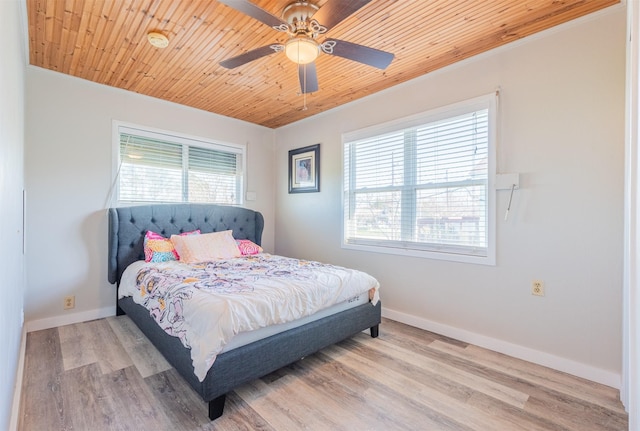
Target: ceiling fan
304, 22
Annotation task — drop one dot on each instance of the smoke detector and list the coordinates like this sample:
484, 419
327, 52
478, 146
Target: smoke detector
158, 40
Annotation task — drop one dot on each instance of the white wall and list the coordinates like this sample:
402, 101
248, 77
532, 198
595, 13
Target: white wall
630, 390
68, 160
562, 128
12, 68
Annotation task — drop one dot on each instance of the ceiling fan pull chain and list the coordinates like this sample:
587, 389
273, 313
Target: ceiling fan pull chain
304, 83
304, 93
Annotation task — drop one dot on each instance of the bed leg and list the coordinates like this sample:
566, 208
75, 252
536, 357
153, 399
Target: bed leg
216, 407
374, 331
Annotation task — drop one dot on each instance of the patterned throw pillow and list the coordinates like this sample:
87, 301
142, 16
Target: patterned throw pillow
248, 247
160, 249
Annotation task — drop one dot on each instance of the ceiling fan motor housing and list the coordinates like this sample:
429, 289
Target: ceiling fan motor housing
298, 15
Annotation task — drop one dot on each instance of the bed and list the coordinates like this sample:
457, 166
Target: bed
271, 349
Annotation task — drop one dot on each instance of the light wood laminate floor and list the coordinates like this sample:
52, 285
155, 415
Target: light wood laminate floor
105, 375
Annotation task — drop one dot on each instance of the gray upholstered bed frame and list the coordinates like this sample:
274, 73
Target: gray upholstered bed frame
127, 227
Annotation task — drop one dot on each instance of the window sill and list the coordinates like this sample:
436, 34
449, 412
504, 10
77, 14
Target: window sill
489, 260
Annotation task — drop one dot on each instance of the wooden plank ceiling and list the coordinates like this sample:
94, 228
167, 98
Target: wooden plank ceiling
105, 41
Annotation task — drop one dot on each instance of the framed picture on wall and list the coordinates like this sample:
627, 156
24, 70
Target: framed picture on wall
304, 169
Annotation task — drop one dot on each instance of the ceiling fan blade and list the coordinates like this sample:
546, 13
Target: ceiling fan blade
334, 11
255, 54
308, 78
248, 8
362, 54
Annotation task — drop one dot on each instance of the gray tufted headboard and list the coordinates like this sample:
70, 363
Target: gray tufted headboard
128, 225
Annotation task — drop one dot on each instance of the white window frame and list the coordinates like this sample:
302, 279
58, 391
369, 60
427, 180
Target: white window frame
119, 127
483, 102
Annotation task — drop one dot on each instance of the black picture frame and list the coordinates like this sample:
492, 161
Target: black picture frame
304, 169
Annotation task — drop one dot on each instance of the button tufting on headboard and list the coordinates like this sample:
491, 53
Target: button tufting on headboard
128, 226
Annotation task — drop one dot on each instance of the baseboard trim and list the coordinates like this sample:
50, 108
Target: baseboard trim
575, 368
17, 390
578, 369
69, 319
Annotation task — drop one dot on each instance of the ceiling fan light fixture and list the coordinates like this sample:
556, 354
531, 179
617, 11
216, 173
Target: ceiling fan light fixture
301, 50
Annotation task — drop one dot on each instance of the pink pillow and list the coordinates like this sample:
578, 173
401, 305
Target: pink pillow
248, 247
160, 249
206, 247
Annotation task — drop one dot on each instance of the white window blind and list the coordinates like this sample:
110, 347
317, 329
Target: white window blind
422, 185
158, 167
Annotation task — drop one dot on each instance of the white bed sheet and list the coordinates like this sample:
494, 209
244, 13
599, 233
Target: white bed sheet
248, 337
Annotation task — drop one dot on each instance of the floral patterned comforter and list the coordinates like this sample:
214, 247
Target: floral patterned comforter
206, 304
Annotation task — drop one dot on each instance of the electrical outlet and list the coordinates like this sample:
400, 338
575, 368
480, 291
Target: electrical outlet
69, 302
537, 288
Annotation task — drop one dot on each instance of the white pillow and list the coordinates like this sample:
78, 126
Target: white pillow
206, 247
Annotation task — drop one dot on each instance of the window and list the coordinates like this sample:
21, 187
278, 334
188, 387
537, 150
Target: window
167, 167
421, 185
